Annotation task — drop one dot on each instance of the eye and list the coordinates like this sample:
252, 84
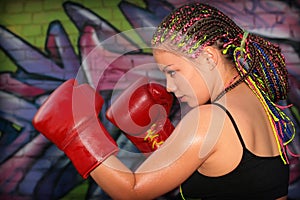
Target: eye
171, 73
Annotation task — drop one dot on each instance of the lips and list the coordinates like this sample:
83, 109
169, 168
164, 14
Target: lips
181, 98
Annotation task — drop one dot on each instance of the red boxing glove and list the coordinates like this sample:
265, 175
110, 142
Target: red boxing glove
141, 111
69, 118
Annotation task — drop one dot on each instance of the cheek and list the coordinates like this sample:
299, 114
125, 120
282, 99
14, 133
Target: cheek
201, 90
183, 84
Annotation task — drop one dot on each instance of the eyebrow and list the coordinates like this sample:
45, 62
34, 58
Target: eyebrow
165, 67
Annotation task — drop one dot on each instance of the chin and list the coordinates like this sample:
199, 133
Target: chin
196, 103
192, 104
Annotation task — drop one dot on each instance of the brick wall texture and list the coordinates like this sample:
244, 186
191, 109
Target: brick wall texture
44, 42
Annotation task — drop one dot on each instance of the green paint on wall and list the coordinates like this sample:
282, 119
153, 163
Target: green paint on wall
78, 192
6, 64
30, 19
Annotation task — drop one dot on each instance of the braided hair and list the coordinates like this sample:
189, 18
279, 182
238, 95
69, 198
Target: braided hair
260, 63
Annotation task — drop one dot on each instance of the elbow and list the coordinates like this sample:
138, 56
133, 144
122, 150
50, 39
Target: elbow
132, 193
128, 196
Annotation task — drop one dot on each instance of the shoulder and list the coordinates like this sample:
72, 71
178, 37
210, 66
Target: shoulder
204, 115
204, 124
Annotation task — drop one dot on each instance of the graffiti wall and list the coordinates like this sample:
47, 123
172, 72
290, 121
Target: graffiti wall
105, 43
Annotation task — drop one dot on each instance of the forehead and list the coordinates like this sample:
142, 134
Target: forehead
164, 59
170, 61
165, 56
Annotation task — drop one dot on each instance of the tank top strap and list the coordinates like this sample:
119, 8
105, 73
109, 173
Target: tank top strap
233, 123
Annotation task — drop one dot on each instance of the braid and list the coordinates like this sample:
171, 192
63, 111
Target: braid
268, 79
260, 64
272, 69
194, 26
264, 59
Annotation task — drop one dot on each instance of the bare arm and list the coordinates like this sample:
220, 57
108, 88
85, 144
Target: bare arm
165, 169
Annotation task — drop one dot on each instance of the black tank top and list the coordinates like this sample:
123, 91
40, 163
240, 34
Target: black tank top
255, 178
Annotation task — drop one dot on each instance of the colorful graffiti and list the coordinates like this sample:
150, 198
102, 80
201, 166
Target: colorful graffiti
33, 168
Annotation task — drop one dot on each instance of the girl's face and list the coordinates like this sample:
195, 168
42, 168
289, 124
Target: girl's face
183, 79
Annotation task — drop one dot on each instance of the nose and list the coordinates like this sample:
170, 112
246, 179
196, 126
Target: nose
170, 86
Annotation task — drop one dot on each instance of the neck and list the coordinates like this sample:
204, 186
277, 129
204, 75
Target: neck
230, 82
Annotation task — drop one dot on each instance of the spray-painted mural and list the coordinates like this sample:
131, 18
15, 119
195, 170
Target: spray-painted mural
31, 167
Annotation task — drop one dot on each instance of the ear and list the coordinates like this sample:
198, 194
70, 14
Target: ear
212, 55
